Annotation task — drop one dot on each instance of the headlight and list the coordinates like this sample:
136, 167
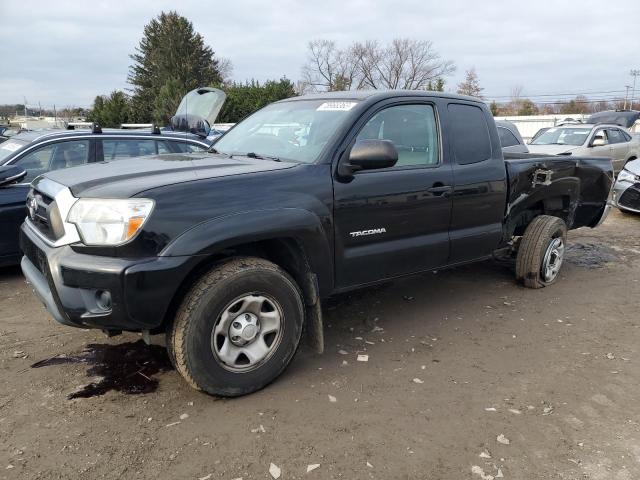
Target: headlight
627, 176
109, 221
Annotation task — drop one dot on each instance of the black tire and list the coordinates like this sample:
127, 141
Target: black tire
535, 242
189, 337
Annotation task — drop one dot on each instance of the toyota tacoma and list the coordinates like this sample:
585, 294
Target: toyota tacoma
231, 252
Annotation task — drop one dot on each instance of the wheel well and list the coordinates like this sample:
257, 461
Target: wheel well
287, 253
560, 206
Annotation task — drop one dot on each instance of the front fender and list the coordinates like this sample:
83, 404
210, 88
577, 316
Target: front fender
217, 234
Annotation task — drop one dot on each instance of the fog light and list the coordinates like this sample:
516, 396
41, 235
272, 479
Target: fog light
103, 300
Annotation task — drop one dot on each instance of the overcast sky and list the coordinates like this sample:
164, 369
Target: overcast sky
65, 52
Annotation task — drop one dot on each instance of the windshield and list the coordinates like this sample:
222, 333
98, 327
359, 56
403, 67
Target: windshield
10, 146
563, 136
294, 130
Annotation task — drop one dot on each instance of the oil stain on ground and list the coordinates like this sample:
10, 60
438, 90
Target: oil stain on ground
590, 255
127, 367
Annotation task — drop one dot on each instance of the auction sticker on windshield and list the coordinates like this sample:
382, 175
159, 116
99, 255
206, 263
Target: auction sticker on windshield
12, 147
336, 106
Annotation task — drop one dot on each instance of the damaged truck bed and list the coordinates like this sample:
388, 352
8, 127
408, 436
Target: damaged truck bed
575, 189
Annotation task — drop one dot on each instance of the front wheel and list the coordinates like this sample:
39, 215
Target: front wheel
237, 328
541, 252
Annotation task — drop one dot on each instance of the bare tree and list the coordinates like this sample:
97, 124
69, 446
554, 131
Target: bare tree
225, 69
515, 103
403, 64
329, 68
471, 85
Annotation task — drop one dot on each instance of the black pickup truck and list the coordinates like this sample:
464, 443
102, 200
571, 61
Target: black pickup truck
231, 252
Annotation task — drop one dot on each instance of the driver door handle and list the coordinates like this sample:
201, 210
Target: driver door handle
439, 190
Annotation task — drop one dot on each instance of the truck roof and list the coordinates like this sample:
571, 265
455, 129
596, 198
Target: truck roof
379, 95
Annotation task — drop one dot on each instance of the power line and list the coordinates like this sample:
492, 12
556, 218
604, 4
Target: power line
571, 94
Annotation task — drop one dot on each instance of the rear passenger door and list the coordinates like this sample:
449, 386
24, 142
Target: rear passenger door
480, 190
619, 146
394, 221
122, 148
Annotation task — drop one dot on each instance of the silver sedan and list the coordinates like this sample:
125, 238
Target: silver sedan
626, 191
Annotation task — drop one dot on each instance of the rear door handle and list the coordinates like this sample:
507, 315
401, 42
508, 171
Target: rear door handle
440, 189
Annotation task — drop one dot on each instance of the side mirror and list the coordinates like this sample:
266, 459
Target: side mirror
11, 174
598, 141
369, 155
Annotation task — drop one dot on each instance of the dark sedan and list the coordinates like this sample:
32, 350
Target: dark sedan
43, 151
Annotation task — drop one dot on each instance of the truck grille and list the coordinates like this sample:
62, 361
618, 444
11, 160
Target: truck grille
34, 254
44, 215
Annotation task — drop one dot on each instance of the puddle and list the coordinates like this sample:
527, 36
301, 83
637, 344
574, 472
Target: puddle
589, 255
127, 367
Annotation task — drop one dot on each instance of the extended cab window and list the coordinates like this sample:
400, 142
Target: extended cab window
469, 134
411, 128
53, 157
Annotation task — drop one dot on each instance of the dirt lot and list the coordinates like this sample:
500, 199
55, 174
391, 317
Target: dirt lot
457, 359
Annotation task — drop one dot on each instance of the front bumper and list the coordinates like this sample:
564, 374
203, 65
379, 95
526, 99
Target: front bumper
626, 195
69, 285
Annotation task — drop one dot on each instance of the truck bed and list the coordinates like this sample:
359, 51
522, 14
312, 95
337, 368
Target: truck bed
575, 189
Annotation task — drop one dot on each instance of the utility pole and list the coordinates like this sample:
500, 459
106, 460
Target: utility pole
626, 96
26, 125
634, 74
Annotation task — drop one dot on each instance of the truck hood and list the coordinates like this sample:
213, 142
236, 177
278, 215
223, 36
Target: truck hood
551, 149
126, 178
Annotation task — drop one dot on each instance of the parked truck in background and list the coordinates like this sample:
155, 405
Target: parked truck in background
231, 253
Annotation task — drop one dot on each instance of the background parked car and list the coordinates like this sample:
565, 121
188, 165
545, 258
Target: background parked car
510, 137
626, 191
589, 140
629, 119
44, 151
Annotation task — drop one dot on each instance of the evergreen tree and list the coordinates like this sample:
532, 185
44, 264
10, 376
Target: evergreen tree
167, 101
173, 57
244, 99
437, 86
527, 107
111, 111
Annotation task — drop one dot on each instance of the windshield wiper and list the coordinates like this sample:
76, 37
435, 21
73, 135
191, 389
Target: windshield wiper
260, 157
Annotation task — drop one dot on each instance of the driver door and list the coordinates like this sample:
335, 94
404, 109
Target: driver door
395, 221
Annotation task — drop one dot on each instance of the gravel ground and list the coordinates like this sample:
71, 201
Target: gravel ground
469, 376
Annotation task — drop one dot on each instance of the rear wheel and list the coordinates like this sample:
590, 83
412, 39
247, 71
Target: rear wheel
541, 252
237, 328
